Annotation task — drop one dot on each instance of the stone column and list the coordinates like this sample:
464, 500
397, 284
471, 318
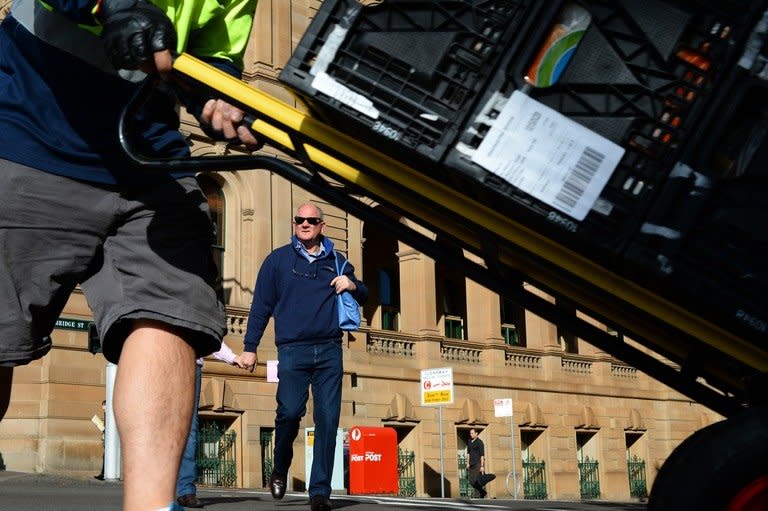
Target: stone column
601, 367
418, 307
541, 334
483, 314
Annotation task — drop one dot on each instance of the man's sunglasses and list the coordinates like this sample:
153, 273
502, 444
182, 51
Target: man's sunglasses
313, 220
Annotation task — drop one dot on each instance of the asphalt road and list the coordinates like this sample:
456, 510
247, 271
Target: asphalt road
40, 492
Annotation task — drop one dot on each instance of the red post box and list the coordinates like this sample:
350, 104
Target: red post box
372, 460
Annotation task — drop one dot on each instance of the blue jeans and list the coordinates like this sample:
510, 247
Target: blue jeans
321, 366
185, 483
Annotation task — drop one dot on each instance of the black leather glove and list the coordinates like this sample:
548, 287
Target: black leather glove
133, 31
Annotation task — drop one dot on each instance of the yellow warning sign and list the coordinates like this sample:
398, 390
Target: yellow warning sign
436, 397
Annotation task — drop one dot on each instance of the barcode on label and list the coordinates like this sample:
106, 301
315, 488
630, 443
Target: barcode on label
579, 178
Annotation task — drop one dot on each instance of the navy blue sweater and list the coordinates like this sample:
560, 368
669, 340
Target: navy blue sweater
299, 295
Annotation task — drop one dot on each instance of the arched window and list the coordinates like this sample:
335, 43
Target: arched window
215, 195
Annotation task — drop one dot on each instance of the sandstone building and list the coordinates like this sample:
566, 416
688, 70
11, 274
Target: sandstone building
573, 404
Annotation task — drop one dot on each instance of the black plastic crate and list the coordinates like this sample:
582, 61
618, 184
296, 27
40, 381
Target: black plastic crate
641, 75
406, 73
705, 241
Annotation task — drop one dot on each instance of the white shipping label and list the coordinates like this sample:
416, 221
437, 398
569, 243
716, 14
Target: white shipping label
324, 83
548, 156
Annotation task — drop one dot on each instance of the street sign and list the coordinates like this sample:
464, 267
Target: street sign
437, 386
502, 407
72, 324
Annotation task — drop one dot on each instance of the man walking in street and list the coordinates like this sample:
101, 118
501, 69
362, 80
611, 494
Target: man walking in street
298, 284
475, 463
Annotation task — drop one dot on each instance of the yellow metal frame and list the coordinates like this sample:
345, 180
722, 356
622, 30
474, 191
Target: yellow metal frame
276, 120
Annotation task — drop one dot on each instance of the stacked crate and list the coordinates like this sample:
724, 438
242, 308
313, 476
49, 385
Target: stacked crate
405, 74
599, 123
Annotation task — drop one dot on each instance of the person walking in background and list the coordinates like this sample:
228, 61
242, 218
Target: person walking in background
75, 212
298, 284
186, 490
475, 463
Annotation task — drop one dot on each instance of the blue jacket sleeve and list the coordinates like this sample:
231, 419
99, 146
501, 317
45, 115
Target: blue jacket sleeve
264, 300
79, 11
361, 293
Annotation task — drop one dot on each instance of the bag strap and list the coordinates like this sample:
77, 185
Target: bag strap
336, 257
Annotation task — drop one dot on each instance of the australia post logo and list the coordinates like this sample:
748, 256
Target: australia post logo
356, 435
368, 456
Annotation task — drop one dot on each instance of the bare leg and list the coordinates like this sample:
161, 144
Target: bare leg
154, 390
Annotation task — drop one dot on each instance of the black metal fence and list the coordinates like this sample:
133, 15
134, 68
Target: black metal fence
406, 472
465, 489
637, 484
589, 479
265, 441
216, 456
534, 479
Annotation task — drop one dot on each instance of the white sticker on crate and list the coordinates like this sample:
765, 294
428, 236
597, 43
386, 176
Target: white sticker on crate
327, 85
328, 52
547, 155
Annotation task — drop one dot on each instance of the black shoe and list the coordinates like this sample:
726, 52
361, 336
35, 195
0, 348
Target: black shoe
189, 501
277, 486
100, 477
483, 493
320, 503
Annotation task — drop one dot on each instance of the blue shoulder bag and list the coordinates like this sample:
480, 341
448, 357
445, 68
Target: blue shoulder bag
349, 310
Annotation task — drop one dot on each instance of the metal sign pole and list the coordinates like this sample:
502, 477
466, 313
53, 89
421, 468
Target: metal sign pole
437, 389
514, 464
442, 457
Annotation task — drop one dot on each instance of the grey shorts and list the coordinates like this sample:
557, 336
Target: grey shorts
138, 254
